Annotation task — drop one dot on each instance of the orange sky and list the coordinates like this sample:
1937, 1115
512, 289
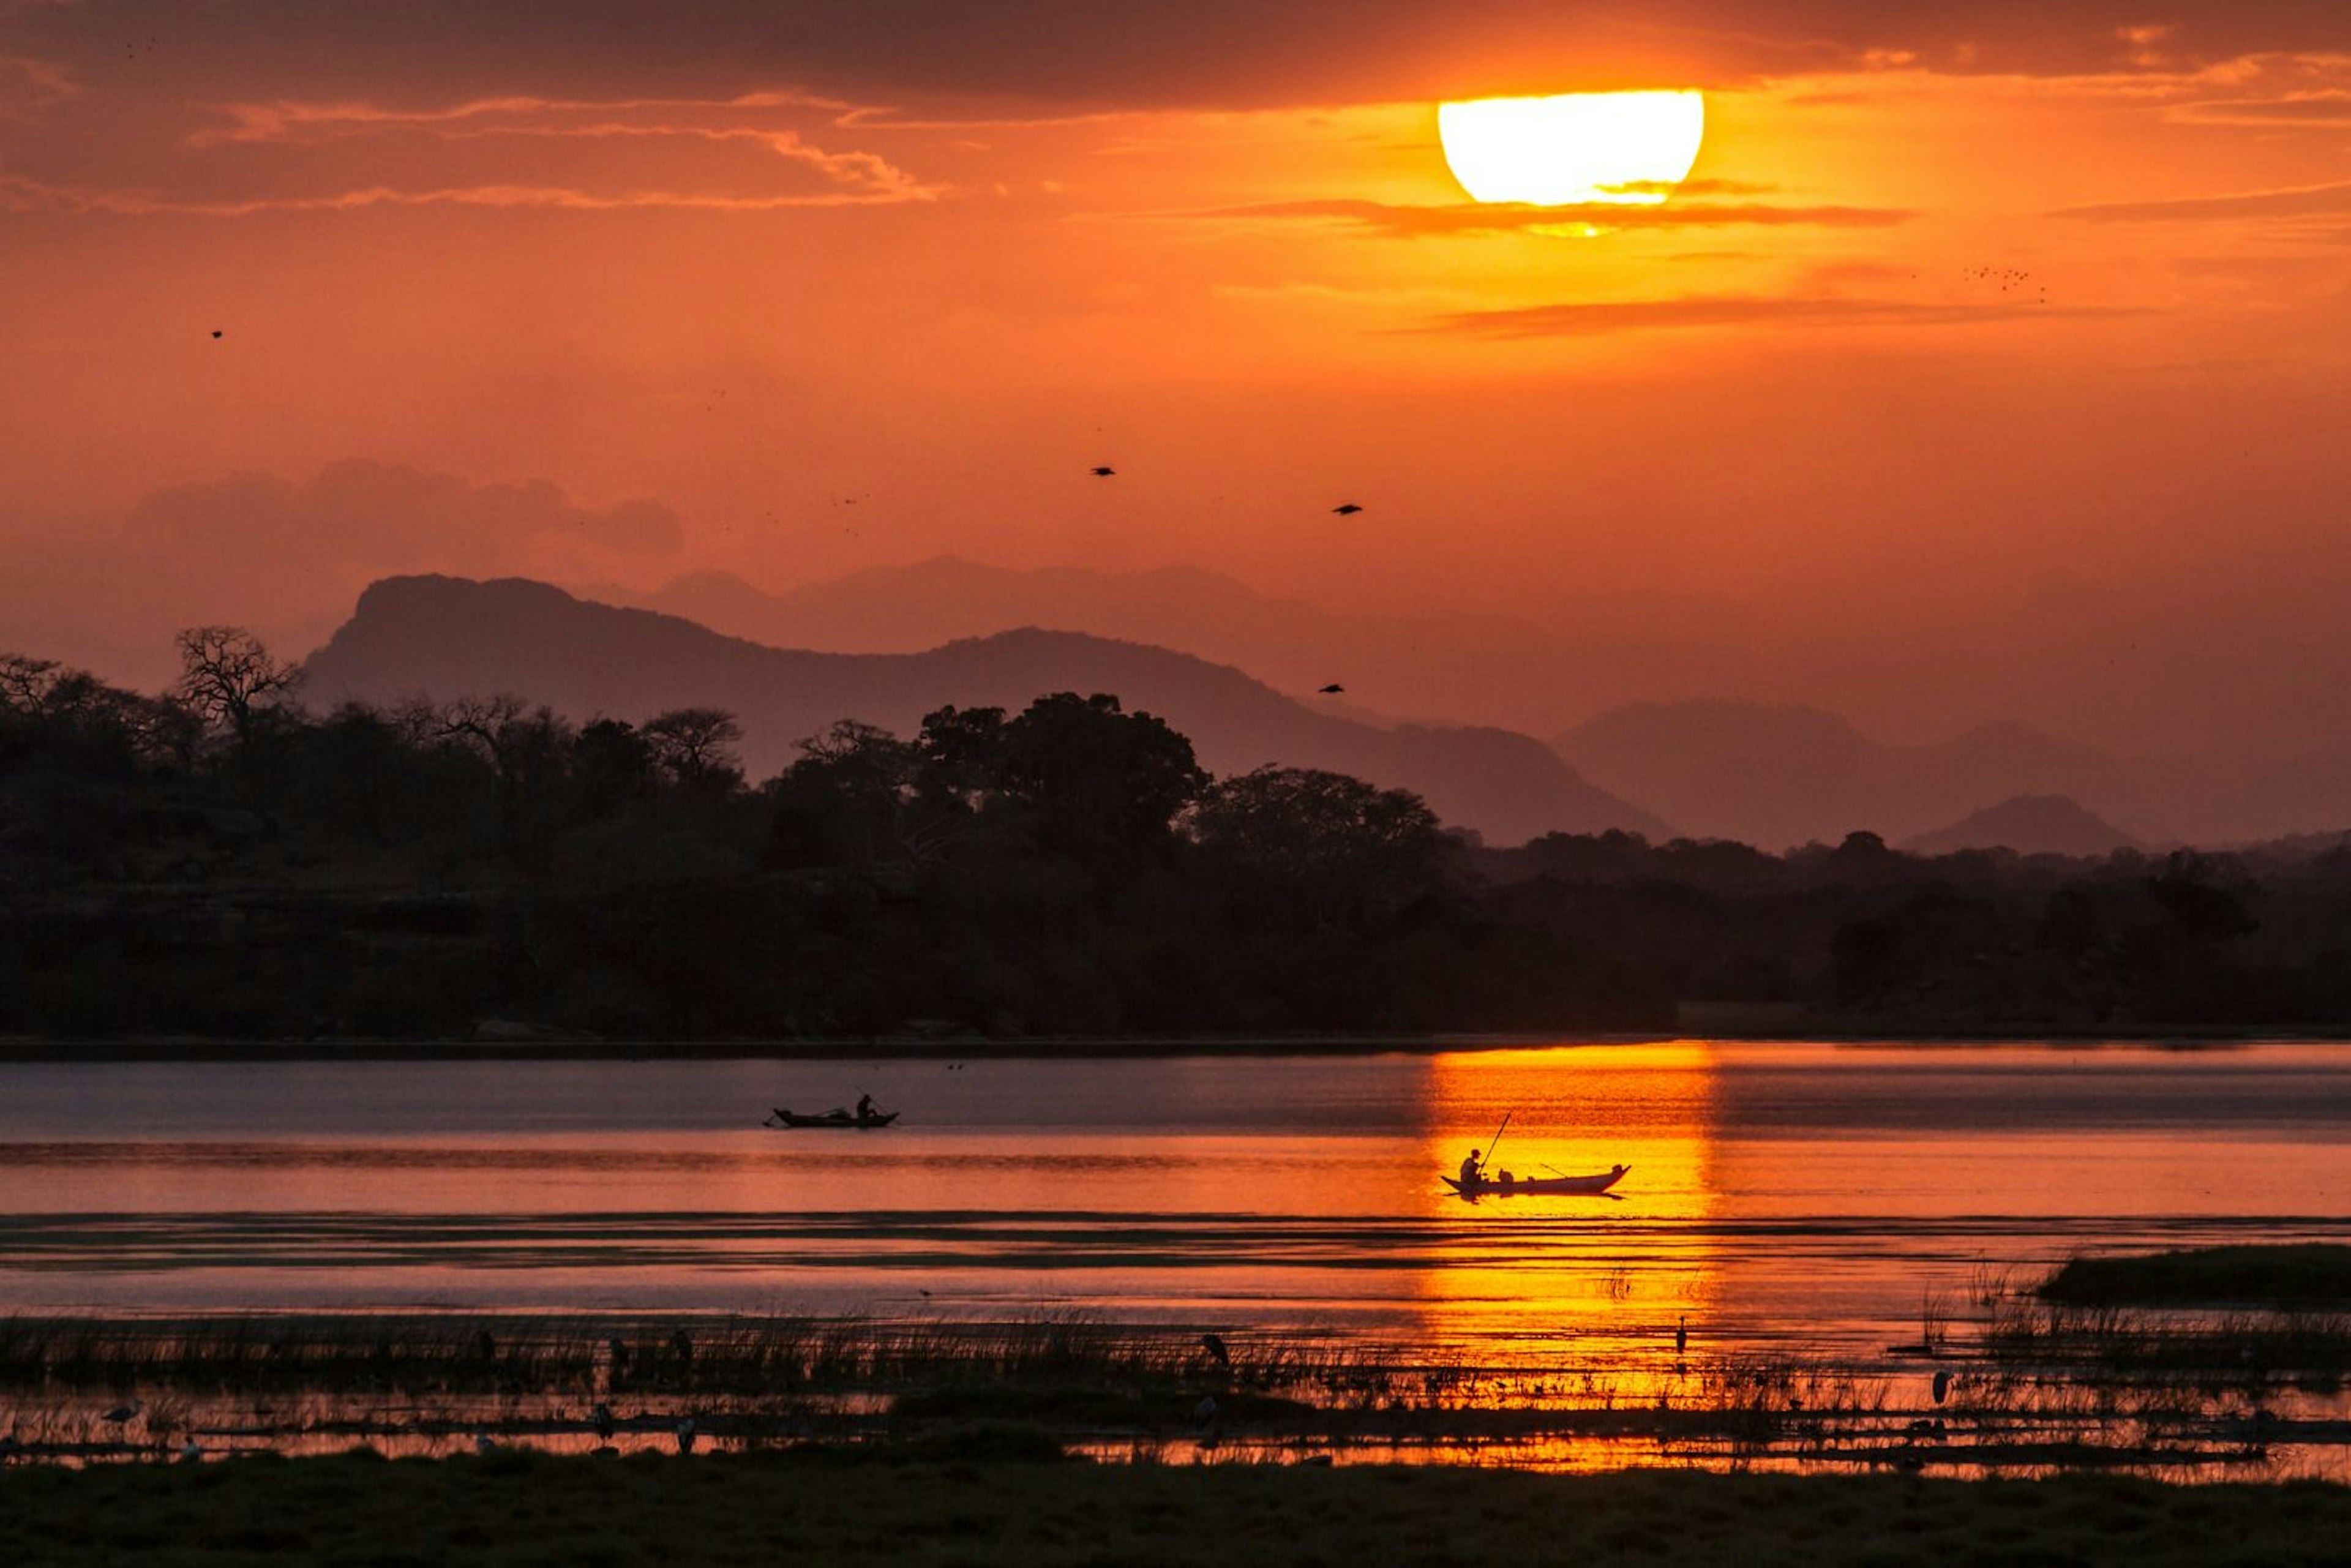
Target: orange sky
682, 288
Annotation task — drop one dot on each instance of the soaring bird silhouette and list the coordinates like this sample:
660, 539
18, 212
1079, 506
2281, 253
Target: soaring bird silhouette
1346, 508
1214, 1344
1103, 471
215, 334
1333, 690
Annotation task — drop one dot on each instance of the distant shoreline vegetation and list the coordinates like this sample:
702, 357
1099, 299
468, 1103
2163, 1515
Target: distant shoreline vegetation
215, 863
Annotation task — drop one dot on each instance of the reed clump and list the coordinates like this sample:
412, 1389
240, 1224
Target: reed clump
2302, 1275
2310, 1349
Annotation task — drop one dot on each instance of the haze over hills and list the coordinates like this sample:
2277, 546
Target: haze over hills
1445, 667
449, 637
2029, 824
1675, 682
1775, 777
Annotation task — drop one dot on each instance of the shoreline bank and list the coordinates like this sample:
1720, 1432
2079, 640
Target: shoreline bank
962, 1048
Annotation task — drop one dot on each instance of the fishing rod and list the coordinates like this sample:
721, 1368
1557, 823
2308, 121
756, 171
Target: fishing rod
1498, 1138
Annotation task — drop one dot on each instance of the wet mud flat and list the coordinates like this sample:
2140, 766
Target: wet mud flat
987, 1497
2021, 1386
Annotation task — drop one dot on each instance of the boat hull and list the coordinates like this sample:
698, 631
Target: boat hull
1540, 1187
784, 1119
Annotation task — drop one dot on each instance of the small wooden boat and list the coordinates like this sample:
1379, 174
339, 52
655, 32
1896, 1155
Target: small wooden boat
1535, 1187
783, 1118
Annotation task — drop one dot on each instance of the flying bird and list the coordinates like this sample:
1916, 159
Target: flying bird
216, 333
1103, 472
1346, 508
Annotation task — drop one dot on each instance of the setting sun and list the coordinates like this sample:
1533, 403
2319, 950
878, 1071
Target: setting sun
1577, 147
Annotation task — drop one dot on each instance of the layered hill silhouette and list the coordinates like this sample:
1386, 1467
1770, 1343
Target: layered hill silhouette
1445, 667
2030, 825
1775, 777
443, 637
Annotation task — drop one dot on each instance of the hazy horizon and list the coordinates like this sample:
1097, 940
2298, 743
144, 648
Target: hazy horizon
1987, 365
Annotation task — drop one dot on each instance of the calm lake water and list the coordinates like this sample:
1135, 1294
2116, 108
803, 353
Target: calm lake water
1799, 1197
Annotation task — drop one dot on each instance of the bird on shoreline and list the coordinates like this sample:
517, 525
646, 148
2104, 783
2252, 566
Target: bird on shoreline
685, 1436
601, 1419
1214, 1344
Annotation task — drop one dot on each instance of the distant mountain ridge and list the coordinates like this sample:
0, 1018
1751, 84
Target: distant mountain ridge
449, 637
1444, 667
1714, 668
1776, 776
2030, 825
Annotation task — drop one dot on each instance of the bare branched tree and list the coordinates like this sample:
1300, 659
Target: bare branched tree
25, 684
517, 740
694, 743
229, 679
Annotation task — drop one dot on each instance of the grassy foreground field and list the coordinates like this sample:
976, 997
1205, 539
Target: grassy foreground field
515, 1508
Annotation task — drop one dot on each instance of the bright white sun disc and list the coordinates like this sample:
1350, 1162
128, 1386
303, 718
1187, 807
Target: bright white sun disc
1622, 147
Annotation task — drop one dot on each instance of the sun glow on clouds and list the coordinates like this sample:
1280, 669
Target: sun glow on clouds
1620, 147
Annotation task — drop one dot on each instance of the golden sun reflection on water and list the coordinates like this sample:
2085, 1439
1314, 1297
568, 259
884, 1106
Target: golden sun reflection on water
1593, 1286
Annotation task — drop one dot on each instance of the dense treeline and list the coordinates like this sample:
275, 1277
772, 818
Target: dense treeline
217, 861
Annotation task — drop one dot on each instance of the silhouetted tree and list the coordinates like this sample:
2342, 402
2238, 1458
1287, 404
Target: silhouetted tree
229, 679
614, 766
844, 801
1099, 784
1346, 847
696, 744
962, 754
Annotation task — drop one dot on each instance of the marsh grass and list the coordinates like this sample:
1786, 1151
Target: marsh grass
2207, 1351
2305, 1275
2045, 1384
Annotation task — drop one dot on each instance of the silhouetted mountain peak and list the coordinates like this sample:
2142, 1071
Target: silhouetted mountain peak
1776, 775
2030, 825
449, 637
